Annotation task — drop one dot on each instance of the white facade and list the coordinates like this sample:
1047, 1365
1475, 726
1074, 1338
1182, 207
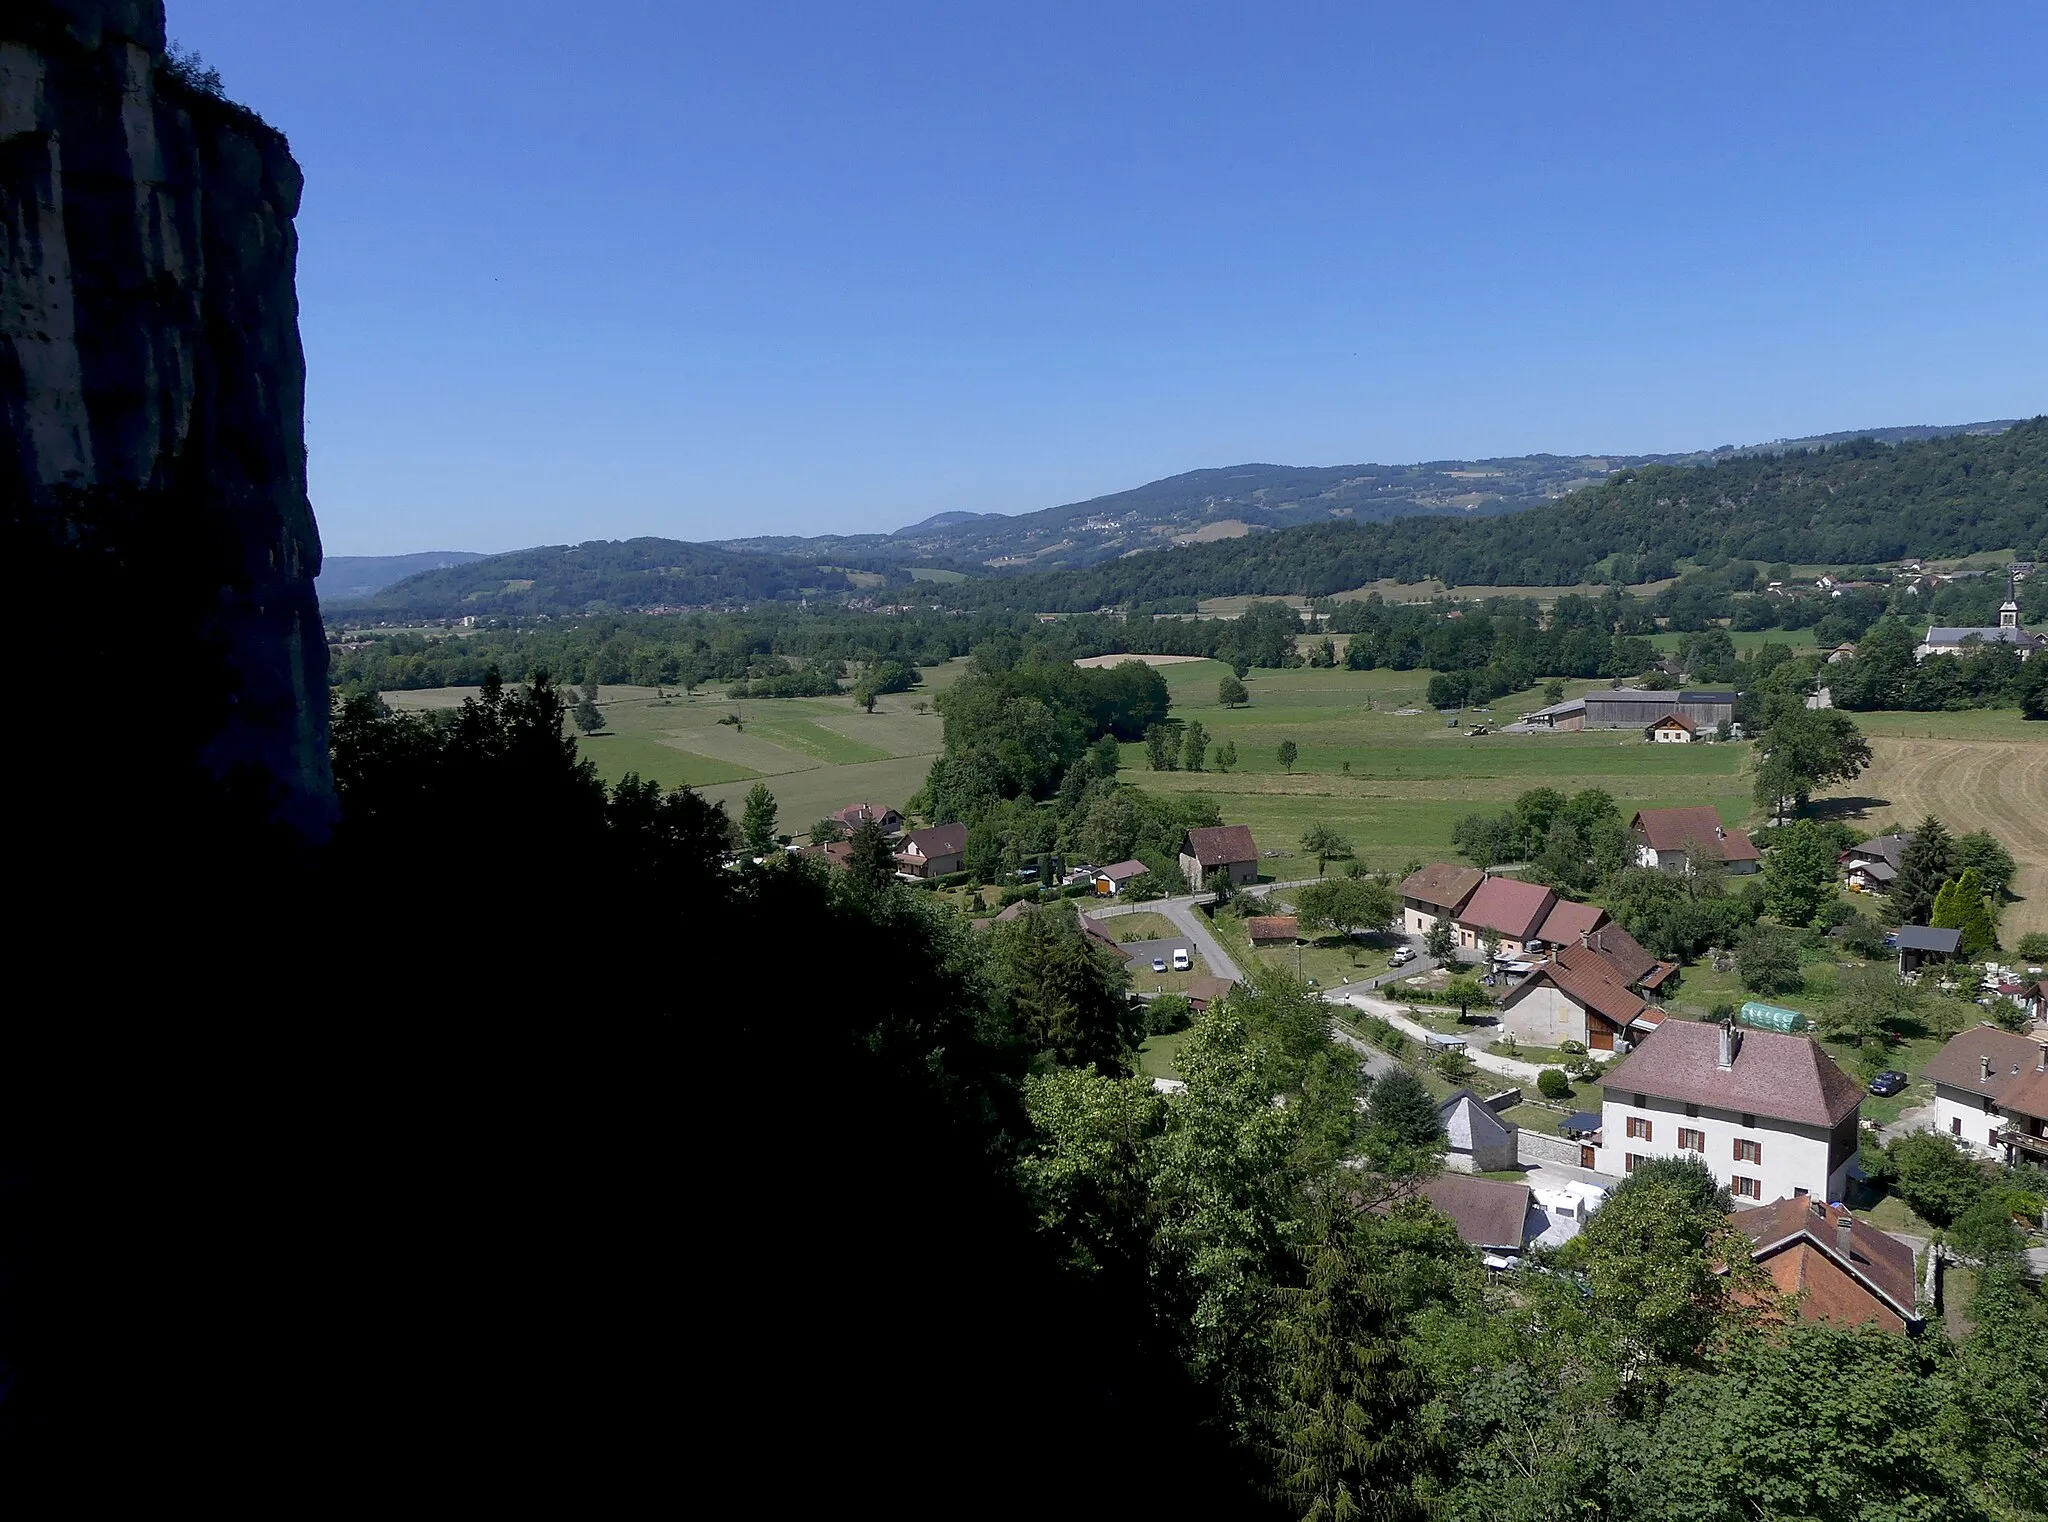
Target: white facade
1478, 1139
1969, 1118
1545, 1016
1417, 921
1671, 735
1794, 1158
1674, 861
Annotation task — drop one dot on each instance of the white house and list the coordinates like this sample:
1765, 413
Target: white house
1672, 729
1436, 892
1771, 1116
1670, 839
1578, 995
1975, 1075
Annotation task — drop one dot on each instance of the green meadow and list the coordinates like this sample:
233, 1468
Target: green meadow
1395, 781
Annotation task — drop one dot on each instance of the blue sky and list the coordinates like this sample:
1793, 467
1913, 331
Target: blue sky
573, 272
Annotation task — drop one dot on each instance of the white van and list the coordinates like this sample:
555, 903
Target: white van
1182, 962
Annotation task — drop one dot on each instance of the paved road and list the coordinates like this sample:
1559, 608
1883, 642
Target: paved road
1505, 1067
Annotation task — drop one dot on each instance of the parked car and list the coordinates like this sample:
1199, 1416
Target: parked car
1159, 964
1403, 956
1888, 1083
1182, 962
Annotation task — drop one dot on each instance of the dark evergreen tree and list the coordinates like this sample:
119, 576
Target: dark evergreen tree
1926, 864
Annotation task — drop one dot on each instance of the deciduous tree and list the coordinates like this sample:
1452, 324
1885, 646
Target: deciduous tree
1289, 753
1231, 693
757, 820
1325, 845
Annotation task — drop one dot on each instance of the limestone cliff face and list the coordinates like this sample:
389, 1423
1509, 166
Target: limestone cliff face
149, 343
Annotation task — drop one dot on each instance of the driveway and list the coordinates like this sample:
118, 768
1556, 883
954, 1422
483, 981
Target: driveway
1919, 1118
1505, 1067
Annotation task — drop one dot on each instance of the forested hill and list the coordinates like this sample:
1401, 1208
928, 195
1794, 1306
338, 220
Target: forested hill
1853, 503
560, 579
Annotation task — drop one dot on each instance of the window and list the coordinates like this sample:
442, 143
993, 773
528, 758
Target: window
1628, 1163
1748, 1151
1746, 1188
1638, 1128
1955, 1126
1692, 1112
1690, 1140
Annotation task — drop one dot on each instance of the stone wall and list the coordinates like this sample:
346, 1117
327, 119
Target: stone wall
149, 348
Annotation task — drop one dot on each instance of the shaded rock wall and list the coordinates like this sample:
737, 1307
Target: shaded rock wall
149, 346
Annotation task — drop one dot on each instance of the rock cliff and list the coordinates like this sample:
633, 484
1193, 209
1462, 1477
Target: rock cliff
150, 359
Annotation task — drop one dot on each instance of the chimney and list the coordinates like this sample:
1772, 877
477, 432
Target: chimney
1983, 1070
1586, 943
1731, 1043
1845, 1235
2042, 1065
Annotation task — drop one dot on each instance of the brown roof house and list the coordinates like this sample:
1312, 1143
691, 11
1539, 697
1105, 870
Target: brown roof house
1627, 962
1117, 876
1273, 929
1771, 1116
1492, 1215
1845, 1271
1514, 911
933, 852
1988, 1083
1672, 729
1567, 921
1672, 839
854, 815
1203, 992
1577, 996
1227, 848
1437, 891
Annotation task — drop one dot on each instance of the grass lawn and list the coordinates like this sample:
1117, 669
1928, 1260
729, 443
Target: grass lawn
1535, 1118
1156, 1054
1142, 926
1958, 1289
1893, 1214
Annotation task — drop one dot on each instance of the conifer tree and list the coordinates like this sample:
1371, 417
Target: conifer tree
1973, 916
1347, 1444
1925, 866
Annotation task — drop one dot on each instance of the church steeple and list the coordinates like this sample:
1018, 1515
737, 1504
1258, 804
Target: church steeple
2009, 611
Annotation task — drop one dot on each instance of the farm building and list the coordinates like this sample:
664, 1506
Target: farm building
1227, 848
1845, 1271
1638, 708
1510, 910
1273, 929
1918, 944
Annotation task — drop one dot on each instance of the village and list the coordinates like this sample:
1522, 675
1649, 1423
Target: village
1571, 998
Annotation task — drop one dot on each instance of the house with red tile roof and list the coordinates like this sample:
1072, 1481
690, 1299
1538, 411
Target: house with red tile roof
1512, 910
1845, 1272
1770, 1115
1568, 921
1671, 729
1672, 839
1436, 892
933, 852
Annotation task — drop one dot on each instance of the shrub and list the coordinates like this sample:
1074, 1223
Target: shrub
1935, 1176
1552, 1084
1168, 1013
2033, 945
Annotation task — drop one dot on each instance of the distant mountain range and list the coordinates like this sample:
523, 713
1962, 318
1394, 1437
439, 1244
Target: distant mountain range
1197, 508
1203, 505
344, 578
